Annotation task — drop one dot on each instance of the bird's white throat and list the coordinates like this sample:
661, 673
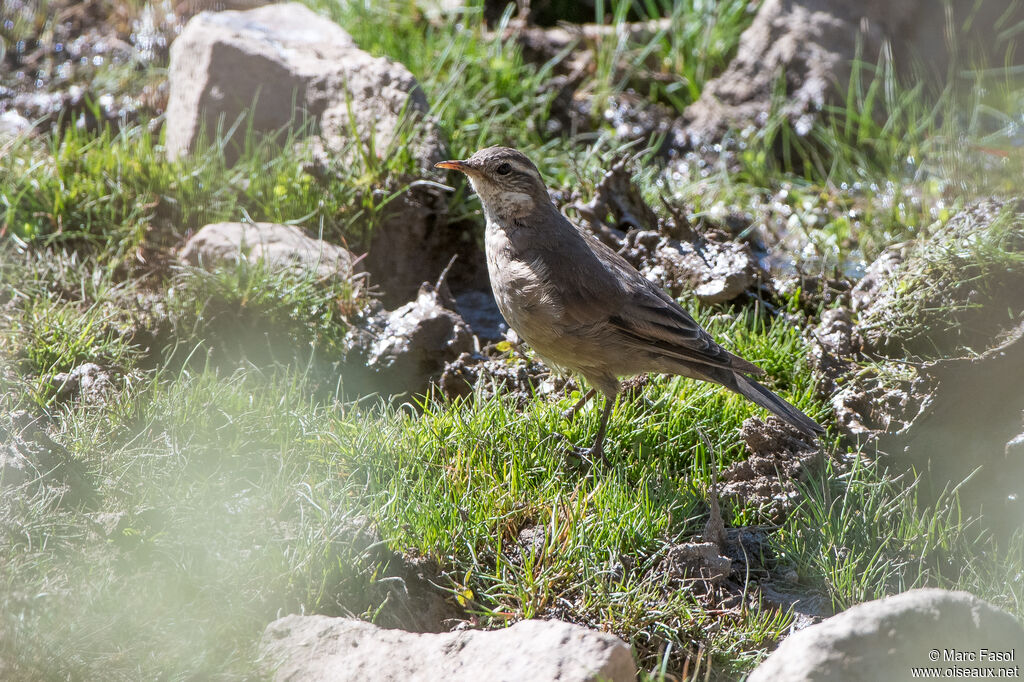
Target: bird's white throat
502, 203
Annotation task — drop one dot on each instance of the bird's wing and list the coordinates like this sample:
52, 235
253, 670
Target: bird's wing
643, 315
665, 328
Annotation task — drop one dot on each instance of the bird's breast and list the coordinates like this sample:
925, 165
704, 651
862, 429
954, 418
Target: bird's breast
520, 281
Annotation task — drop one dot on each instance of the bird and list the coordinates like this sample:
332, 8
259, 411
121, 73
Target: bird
582, 307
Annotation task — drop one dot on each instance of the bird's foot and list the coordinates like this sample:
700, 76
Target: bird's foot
582, 457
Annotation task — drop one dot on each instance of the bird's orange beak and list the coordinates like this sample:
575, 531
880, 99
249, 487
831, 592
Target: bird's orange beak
460, 166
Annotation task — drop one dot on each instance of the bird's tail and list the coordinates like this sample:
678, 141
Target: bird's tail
771, 402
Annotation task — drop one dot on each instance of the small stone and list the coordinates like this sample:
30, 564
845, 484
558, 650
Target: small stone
277, 245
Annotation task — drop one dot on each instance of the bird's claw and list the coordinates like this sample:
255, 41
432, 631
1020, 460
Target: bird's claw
582, 456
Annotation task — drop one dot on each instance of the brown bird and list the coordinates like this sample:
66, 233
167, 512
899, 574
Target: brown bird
584, 308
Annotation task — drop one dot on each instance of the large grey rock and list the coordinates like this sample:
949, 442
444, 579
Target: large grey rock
300, 648
884, 639
282, 64
271, 63
277, 245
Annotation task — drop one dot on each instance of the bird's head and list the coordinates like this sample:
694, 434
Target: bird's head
508, 183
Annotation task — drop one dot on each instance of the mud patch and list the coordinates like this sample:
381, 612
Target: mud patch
492, 372
51, 68
780, 457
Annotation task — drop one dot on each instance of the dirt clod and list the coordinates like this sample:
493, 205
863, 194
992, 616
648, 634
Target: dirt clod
779, 457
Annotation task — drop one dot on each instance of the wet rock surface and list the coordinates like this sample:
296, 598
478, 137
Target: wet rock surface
715, 271
481, 313
405, 350
318, 647
879, 639
47, 73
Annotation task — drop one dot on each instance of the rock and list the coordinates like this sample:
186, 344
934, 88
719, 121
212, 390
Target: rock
716, 271
88, 381
286, 66
884, 639
812, 44
807, 608
31, 460
298, 648
13, 125
283, 246
416, 342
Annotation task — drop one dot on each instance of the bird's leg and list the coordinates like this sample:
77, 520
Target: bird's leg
571, 412
597, 449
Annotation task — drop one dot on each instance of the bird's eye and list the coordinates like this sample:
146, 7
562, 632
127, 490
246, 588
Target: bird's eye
504, 169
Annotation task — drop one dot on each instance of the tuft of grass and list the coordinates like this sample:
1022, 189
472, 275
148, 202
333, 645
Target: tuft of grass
60, 311
954, 291
687, 44
256, 313
116, 192
861, 534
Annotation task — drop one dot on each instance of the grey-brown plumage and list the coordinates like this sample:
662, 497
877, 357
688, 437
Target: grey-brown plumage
581, 306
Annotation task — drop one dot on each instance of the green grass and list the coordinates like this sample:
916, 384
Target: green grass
118, 194
955, 293
226, 477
